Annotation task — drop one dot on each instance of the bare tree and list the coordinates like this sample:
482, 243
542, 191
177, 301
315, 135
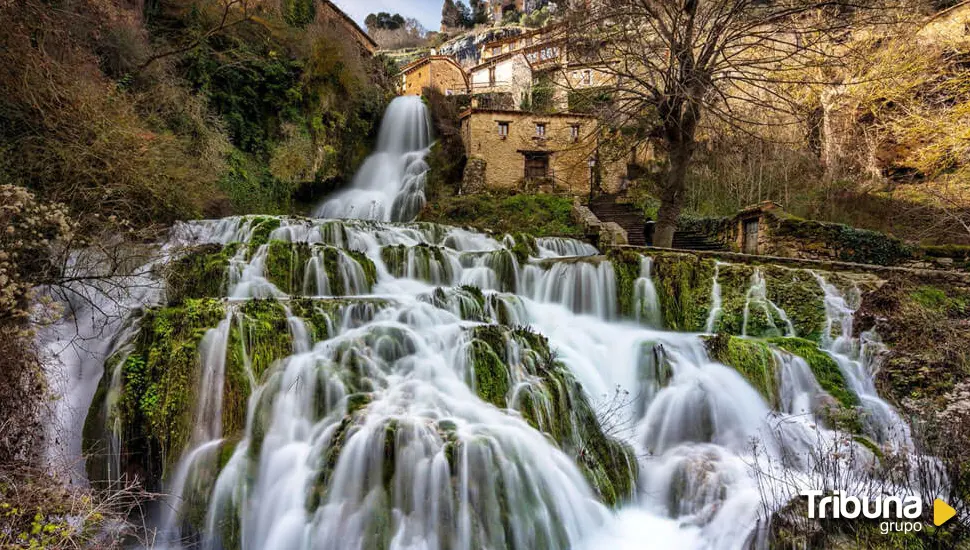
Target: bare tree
669, 64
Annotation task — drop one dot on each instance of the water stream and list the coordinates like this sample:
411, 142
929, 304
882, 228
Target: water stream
377, 430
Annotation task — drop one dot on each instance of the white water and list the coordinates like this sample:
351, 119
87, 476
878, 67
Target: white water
715, 309
757, 298
858, 358
691, 422
390, 184
646, 304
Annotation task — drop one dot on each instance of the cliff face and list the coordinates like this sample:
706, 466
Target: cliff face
176, 110
904, 119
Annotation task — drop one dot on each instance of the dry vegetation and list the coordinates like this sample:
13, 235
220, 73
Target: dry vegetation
118, 118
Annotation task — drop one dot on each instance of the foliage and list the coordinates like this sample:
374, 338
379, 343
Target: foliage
39, 511
159, 379
74, 136
384, 20
544, 215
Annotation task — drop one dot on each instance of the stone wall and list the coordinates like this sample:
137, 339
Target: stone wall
569, 170
603, 234
473, 180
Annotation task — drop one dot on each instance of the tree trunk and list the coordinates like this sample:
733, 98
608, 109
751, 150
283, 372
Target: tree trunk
672, 194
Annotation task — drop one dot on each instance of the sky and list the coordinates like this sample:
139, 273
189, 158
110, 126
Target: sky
428, 12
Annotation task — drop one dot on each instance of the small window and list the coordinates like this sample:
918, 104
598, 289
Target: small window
540, 129
503, 129
574, 132
497, 50
587, 77
491, 76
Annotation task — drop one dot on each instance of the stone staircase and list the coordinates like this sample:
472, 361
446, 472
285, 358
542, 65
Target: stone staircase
632, 220
627, 216
692, 240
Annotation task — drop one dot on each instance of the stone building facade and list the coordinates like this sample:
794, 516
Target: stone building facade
507, 74
437, 72
531, 152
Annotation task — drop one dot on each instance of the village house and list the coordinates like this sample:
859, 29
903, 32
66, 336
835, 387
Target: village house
508, 75
530, 40
437, 72
536, 152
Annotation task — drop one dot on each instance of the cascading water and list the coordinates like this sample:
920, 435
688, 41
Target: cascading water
362, 384
390, 184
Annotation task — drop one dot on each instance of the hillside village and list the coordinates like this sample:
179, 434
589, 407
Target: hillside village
531, 103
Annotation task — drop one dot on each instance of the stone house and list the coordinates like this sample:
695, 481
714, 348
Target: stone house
330, 11
437, 72
536, 152
508, 74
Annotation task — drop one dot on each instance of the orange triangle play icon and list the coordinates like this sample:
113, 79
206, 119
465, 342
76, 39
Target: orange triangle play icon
942, 512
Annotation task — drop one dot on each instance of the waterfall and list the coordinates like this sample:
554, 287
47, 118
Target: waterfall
646, 305
715, 309
364, 383
757, 300
858, 359
390, 184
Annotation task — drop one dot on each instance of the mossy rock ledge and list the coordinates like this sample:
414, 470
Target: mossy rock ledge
549, 398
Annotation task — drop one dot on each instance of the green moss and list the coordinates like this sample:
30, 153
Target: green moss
262, 226
751, 358
425, 258
846, 243
936, 300
683, 284
159, 380
491, 375
525, 246
285, 265
199, 272
798, 293
258, 337
626, 270
823, 366
558, 406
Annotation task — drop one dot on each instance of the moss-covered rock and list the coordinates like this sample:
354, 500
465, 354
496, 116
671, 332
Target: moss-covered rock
424, 262
798, 293
551, 400
286, 264
261, 227
198, 272
824, 367
159, 381
752, 359
841, 242
683, 283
